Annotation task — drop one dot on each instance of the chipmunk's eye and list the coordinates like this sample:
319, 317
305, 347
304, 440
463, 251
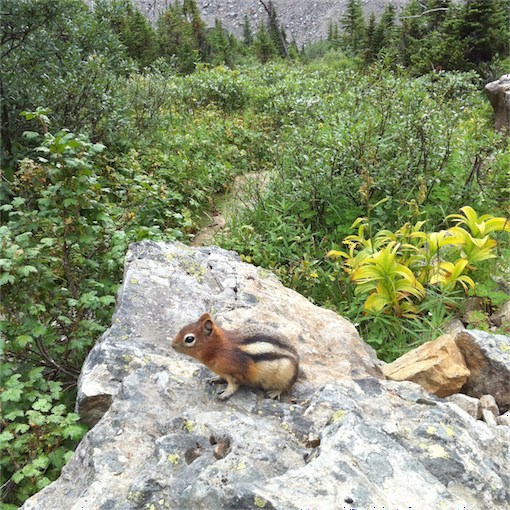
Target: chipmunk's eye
189, 339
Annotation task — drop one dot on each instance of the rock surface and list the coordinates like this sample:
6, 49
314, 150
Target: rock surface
168, 286
498, 93
469, 404
487, 357
502, 317
345, 438
304, 21
438, 366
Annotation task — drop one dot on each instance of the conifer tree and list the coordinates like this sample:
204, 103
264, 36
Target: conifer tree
219, 45
275, 29
436, 12
353, 24
385, 32
265, 49
369, 42
132, 28
484, 28
181, 34
413, 30
247, 32
333, 35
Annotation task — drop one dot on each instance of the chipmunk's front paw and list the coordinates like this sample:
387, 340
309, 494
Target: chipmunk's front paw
231, 388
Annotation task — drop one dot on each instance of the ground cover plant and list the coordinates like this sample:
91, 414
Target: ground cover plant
106, 141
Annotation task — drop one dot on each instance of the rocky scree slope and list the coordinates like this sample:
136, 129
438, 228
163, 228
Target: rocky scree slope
304, 21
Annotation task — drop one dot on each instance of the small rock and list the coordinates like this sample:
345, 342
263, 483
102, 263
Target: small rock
502, 316
489, 402
469, 404
437, 366
473, 304
453, 327
504, 419
489, 418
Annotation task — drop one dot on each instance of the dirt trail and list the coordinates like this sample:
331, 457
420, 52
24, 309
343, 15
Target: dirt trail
246, 189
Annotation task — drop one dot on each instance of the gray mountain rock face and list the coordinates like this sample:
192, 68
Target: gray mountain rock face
343, 438
304, 21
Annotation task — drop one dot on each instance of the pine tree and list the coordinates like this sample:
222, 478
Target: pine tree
437, 11
265, 49
370, 52
413, 30
219, 45
181, 34
132, 28
353, 24
276, 31
484, 28
333, 35
247, 32
385, 32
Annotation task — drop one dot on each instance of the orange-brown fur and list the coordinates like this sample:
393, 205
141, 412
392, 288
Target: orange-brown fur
254, 355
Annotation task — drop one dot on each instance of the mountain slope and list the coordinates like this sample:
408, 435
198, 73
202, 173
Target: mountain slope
304, 20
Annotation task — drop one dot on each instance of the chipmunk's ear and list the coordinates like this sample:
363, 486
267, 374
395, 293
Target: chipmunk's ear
207, 322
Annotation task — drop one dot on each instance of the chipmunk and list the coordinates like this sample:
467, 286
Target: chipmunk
254, 355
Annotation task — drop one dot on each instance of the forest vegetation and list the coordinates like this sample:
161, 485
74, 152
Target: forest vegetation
388, 192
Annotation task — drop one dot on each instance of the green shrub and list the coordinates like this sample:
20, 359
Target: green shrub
38, 431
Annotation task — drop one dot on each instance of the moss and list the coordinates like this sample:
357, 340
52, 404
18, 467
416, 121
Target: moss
338, 416
174, 458
259, 502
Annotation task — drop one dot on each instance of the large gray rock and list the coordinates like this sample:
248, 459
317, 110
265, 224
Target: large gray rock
346, 438
487, 357
498, 93
169, 285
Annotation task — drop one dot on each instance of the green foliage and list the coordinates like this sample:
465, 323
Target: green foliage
429, 35
56, 54
182, 35
132, 28
247, 32
62, 254
413, 147
353, 25
38, 431
264, 44
393, 267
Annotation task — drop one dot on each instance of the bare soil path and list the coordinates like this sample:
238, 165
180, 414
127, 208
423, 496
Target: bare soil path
246, 190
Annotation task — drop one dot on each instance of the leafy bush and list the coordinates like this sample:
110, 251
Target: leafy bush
39, 433
61, 256
57, 54
393, 267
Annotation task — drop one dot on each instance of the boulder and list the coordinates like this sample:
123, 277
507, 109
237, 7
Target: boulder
167, 286
487, 357
343, 438
438, 366
502, 317
498, 93
469, 404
